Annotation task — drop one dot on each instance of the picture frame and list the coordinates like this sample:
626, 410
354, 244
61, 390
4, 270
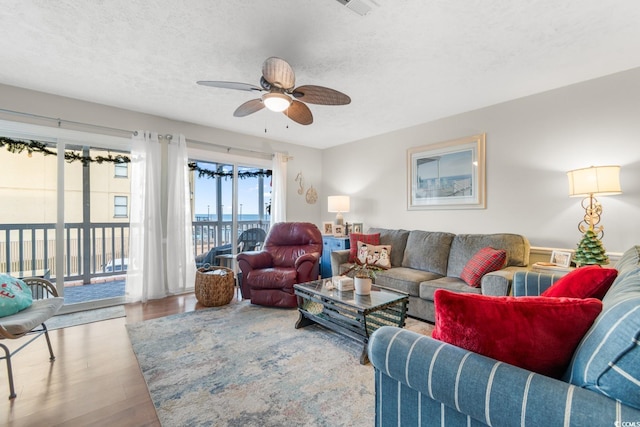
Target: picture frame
327, 228
338, 230
447, 175
561, 258
356, 227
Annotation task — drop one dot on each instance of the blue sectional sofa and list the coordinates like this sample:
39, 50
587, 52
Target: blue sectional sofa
424, 382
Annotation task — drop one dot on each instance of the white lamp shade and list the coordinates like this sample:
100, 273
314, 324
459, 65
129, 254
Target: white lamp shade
601, 180
338, 204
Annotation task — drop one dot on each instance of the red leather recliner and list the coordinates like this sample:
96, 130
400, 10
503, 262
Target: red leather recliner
290, 255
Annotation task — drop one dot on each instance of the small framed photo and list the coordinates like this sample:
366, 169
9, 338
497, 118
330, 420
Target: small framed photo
327, 228
561, 258
356, 227
338, 230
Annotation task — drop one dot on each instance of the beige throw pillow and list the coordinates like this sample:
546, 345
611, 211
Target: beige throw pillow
378, 255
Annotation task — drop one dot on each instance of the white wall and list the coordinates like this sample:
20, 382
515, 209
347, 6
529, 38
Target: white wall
531, 143
38, 103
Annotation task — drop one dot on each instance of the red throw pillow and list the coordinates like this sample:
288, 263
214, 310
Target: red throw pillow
371, 239
591, 281
535, 333
484, 261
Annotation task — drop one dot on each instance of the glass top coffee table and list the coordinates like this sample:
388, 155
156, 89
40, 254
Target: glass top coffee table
347, 313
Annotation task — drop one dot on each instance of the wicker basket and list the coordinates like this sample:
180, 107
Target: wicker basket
215, 286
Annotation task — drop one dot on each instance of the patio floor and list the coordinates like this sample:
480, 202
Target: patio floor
77, 294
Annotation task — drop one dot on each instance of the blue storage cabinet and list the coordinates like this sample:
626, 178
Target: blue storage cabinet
330, 244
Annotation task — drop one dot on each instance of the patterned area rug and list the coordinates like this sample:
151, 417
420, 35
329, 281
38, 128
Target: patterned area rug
244, 365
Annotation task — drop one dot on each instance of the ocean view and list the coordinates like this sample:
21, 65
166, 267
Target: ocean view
228, 218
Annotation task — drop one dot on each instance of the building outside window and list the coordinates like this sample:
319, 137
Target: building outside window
120, 206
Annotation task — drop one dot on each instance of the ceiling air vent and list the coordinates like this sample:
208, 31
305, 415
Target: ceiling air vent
361, 7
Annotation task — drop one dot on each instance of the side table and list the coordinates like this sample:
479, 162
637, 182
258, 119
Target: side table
548, 268
330, 244
230, 261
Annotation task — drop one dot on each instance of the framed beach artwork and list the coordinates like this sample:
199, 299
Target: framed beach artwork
447, 175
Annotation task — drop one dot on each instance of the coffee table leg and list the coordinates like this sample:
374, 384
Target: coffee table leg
364, 357
303, 321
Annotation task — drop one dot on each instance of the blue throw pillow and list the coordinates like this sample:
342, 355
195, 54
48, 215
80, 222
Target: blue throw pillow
15, 295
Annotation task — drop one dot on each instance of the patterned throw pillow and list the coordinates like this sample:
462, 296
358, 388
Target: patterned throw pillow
15, 295
380, 256
484, 261
372, 239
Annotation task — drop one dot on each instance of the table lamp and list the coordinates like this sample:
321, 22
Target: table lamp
589, 182
340, 205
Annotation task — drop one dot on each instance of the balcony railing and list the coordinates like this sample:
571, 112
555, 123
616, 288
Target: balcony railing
31, 248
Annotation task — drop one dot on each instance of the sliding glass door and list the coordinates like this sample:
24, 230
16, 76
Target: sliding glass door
230, 208
68, 216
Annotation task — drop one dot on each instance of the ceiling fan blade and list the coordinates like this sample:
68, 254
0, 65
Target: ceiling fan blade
279, 73
230, 85
299, 112
320, 95
249, 107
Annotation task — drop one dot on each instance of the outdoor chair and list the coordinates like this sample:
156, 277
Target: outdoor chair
249, 240
30, 321
290, 255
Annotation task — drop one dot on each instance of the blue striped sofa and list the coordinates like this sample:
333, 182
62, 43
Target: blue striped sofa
424, 382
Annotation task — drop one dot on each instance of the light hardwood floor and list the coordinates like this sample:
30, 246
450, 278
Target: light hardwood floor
95, 379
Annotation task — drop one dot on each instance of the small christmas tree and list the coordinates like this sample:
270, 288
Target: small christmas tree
590, 250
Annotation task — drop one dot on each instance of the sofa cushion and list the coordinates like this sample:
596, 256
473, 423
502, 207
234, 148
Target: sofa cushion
15, 295
608, 358
428, 251
535, 333
354, 238
464, 246
398, 241
484, 261
403, 279
429, 288
591, 281
378, 255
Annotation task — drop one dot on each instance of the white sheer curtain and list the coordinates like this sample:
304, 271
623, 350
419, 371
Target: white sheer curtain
145, 275
181, 266
279, 196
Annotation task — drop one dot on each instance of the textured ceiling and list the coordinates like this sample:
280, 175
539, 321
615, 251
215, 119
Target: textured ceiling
406, 62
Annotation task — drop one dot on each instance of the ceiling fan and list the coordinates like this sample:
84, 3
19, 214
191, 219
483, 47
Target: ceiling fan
278, 81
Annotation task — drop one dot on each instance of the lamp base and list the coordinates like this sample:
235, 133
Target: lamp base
339, 219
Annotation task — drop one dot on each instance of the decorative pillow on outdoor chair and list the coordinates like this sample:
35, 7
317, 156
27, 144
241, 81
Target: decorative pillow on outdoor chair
591, 281
379, 256
15, 295
354, 238
484, 261
535, 333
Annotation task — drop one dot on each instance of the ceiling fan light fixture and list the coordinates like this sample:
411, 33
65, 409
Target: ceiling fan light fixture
277, 102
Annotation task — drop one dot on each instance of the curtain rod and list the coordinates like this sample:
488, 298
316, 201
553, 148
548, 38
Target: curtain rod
60, 121
229, 149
